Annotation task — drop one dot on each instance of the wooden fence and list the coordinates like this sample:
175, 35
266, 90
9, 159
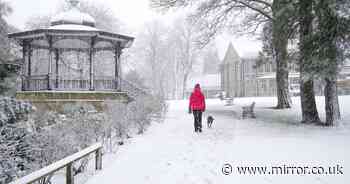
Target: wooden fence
64, 163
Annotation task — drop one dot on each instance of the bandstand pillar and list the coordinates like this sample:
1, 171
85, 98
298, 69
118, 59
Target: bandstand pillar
29, 69
57, 58
30, 53
49, 73
91, 64
23, 72
117, 78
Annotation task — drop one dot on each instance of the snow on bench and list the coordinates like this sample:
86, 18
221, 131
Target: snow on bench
248, 111
66, 162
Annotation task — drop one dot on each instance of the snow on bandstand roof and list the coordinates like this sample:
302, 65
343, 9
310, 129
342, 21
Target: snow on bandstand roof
73, 16
73, 27
73, 19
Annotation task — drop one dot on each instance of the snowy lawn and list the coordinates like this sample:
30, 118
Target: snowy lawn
172, 153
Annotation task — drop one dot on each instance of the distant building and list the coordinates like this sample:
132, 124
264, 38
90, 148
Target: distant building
241, 77
230, 70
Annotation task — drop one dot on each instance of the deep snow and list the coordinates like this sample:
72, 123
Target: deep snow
171, 152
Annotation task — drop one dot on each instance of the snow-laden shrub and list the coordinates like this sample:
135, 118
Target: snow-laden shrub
15, 138
12, 111
124, 120
117, 126
143, 110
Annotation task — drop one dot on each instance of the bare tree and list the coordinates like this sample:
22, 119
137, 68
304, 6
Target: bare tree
213, 16
211, 60
105, 19
5, 8
151, 48
184, 36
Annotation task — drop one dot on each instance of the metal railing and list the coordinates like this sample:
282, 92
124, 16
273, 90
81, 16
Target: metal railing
64, 163
43, 82
100, 83
34, 83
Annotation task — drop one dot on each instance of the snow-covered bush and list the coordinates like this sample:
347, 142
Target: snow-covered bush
117, 126
145, 109
15, 139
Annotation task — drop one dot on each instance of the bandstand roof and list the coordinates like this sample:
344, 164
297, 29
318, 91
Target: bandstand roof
72, 31
73, 24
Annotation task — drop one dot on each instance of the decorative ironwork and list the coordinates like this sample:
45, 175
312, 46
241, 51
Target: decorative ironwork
40, 83
102, 83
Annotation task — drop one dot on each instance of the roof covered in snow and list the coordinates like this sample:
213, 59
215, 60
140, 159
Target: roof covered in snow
231, 55
73, 16
73, 27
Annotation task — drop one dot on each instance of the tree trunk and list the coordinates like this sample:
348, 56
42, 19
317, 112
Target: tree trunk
280, 43
307, 100
331, 101
307, 94
184, 85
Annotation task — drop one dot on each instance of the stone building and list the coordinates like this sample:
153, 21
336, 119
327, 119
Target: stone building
241, 77
231, 75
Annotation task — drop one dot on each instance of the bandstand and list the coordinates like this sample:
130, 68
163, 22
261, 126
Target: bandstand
71, 60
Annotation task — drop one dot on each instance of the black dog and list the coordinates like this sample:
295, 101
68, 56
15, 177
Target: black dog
210, 121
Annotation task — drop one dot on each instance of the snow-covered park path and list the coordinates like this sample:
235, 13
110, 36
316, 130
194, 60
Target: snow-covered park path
171, 153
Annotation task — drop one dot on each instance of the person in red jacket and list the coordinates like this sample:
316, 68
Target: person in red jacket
197, 106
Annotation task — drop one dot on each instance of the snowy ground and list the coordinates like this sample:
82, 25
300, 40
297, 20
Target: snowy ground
171, 152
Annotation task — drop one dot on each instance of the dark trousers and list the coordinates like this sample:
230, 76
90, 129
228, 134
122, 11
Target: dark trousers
197, 120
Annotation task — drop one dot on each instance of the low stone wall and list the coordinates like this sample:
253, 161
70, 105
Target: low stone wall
56, 100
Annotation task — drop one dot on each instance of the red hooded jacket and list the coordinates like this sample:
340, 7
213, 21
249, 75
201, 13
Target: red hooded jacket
197, 100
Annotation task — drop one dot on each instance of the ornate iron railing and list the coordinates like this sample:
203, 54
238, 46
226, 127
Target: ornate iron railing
35, 83
100, 83
68, 84
43, 82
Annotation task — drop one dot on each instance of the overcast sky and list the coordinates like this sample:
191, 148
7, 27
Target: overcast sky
133, 12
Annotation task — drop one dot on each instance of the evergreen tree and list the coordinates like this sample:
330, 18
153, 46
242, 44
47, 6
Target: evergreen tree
307, 94
283, 20
330, 37
8, 71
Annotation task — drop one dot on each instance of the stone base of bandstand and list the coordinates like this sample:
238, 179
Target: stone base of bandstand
57, 100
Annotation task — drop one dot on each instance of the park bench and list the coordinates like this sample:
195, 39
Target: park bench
228, 101
248, 111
